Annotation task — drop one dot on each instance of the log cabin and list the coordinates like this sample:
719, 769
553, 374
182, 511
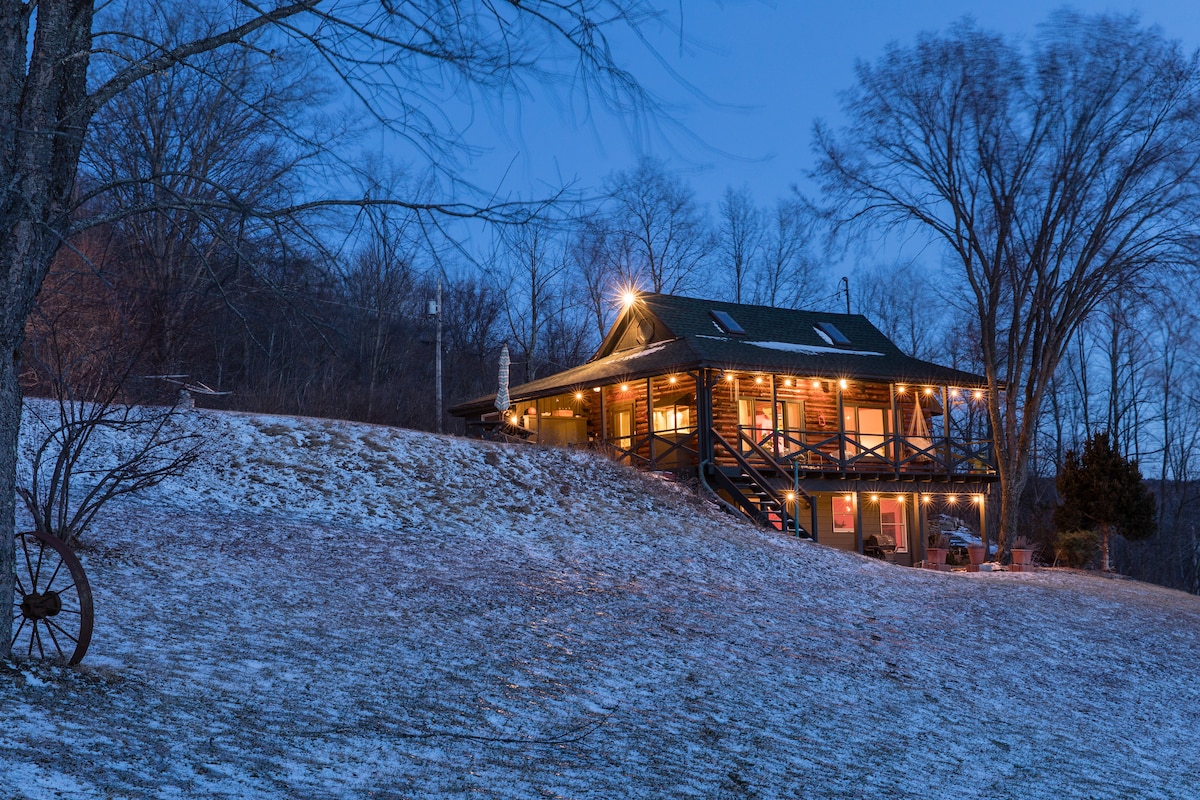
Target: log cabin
812, 423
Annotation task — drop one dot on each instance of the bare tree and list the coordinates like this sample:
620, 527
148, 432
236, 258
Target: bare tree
1053, 175
657, 237
529, 273
398, 58
788, 274
740, 237
902, 301
179, 160
88, 443
589, 253
378, 286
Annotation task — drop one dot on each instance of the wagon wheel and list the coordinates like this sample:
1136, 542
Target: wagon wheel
52, 601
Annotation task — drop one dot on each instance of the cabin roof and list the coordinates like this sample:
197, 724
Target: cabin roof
661, 334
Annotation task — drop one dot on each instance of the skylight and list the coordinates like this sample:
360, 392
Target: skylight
727, 323
830, 333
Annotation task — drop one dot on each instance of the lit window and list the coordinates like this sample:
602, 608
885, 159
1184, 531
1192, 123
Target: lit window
893, 530
843, 514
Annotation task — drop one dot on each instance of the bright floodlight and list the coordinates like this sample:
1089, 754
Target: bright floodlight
629, 297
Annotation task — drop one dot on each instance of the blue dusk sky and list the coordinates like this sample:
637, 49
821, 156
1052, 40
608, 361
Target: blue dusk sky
765, 69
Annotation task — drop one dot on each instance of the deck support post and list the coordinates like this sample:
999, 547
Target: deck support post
920, 525
812, 506
946, 429
896, 428
858, 522
705, 386
841, 423
650, 421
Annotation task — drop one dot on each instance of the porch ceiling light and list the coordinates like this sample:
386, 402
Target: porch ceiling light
928, 390
729, 377
978, 395
787, 382
579, 395
978, 499
758, 379
816, 384
624, 387
951, 499
926, 498
672, 379
842, 384
901, 389
874, 498
900, 498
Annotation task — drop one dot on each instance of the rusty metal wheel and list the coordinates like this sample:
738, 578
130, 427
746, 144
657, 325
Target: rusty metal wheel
52, 603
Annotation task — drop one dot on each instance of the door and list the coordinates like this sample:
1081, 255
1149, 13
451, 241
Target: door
620, 429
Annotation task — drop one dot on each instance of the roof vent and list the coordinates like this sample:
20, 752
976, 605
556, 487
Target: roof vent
726, 323
830, 333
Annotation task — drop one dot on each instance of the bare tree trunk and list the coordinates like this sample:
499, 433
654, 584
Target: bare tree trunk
10, 418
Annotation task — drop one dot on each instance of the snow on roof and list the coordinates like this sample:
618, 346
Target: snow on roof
810, 349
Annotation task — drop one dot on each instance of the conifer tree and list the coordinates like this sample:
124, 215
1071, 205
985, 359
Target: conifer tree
1102, 491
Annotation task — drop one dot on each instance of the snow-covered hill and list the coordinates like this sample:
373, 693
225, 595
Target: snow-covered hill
335, 610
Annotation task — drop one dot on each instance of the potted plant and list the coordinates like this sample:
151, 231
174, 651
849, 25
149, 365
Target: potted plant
1022, 554
937, 549
977, 553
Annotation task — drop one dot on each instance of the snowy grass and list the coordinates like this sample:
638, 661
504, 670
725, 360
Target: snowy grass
334, 610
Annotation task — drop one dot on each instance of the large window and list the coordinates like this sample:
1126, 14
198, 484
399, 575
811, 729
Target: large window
866, 428
755, 417
893, 530
673, 419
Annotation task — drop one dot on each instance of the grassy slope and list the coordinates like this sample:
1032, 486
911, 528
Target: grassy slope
337, 610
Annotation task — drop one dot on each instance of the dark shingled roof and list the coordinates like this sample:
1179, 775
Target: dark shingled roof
777, 340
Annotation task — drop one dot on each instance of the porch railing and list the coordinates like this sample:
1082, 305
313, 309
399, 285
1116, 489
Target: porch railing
881, 454
656, 450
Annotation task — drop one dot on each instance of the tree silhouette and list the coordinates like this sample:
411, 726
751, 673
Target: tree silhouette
1102, 491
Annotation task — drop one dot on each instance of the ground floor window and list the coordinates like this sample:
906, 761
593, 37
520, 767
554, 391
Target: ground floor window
892, 524
843, 514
